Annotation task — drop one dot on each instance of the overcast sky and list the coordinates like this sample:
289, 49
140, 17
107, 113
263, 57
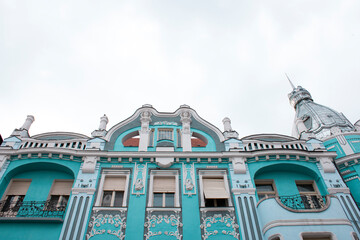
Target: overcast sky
69, 62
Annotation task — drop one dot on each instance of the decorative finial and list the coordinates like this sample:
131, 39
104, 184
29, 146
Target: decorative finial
103, 122
292, 85
227, 124
29, 120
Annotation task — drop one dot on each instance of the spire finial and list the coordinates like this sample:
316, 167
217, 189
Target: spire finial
292, 85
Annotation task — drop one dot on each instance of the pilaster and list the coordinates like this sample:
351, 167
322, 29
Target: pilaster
186, 132
80, 204
144, 133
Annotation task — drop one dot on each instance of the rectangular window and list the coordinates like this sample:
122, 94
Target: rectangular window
178, 132
151, 138
165, 134
59, 195
214, 189
164, 189
15, 194
309, 195
215, 192
265, 188
113, 188
316, 236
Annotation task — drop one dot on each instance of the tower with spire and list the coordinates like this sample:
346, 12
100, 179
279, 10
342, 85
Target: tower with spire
313, 120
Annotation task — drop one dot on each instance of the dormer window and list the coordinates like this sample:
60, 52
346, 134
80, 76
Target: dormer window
165, 134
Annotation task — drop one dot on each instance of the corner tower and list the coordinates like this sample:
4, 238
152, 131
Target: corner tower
315, 120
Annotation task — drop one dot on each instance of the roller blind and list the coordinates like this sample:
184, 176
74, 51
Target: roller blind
214, 188
114, 183
18, 187
61, 187
164, 184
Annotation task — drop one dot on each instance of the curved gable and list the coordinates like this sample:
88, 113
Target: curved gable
204, 132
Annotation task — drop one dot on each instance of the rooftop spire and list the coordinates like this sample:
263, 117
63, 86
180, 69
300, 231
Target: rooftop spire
292, 85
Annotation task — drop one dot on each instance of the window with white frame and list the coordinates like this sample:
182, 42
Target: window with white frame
164, 188
275, 237
265, 188
113, 190
15, 194
309, 194
214, 188
165, 134
59, 194
317, 236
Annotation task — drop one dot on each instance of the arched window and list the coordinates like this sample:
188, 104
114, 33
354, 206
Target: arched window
198, 140
131, 140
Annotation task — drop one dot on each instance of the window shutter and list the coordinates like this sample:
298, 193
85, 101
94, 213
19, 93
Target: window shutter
164, 185
18, 187
114, 184
61, 188
214, 188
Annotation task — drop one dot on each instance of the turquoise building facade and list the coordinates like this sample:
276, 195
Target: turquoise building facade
176, 176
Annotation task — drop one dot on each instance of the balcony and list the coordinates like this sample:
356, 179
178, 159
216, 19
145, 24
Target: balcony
279, 215
31, 210
304, 203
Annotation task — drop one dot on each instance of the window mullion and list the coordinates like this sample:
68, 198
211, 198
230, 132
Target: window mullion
112, 199
59, 201
164, 199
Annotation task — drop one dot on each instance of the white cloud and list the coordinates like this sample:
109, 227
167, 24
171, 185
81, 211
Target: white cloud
68, 63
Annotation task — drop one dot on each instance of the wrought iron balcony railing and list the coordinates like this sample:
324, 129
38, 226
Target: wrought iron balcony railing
31, 209
304, 202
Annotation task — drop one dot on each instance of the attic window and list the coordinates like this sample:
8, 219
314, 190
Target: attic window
131, 140
165, 134
198, 140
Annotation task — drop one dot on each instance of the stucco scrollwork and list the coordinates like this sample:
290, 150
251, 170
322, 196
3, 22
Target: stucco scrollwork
219, 223
113, 223
163, 223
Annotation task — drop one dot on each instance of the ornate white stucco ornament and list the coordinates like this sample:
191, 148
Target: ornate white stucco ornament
145, 119
189, 185
3, 159
139, 184
327, 164
164, 162
335, 130
239, 165
89, 164
185, 118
